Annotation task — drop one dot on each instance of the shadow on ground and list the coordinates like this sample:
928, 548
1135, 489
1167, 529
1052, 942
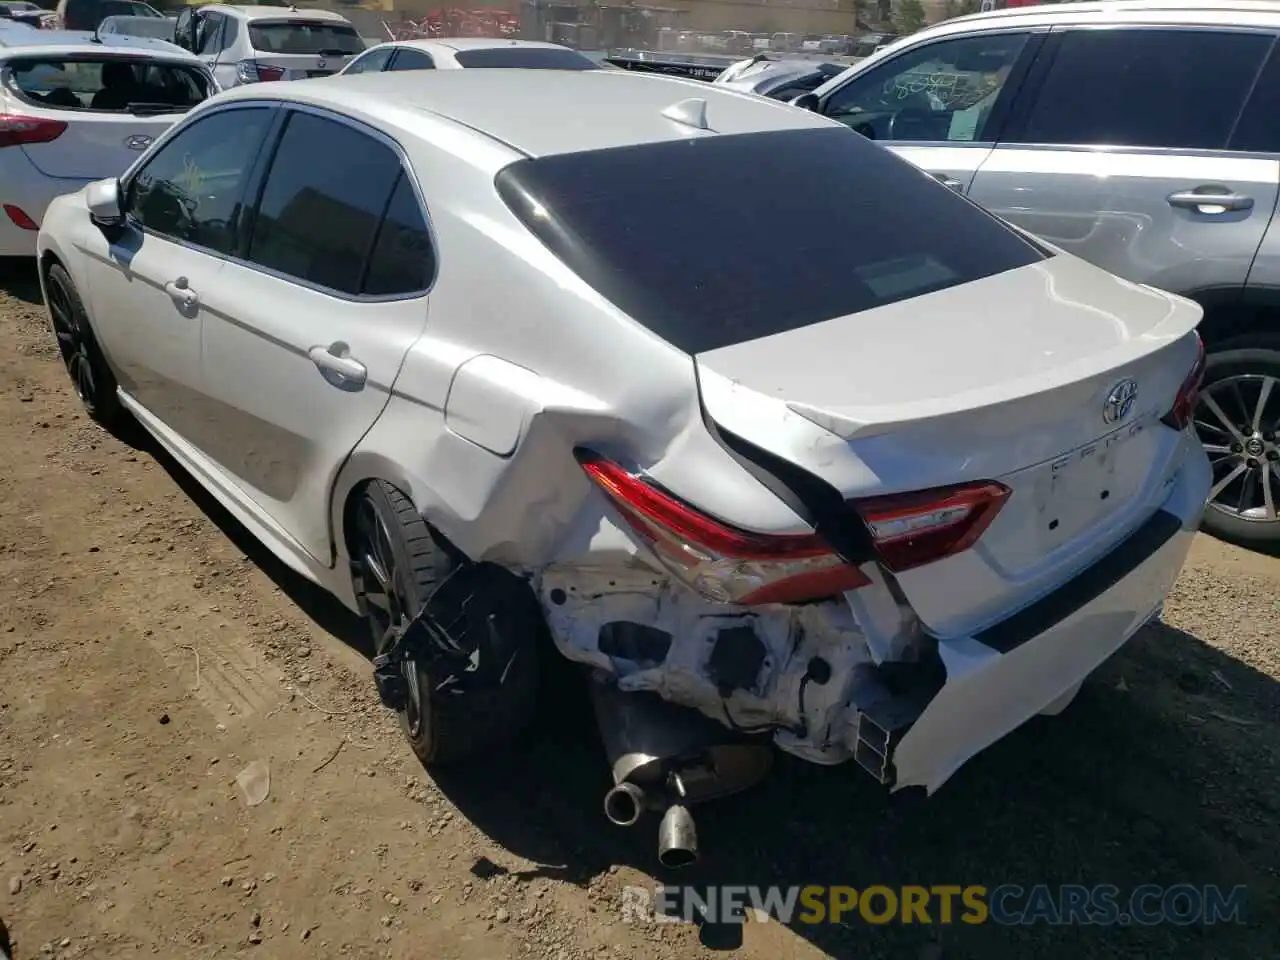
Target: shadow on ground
19, 279
1162, 772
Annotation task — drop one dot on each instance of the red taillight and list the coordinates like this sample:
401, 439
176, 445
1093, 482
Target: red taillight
20, 218
721, 562
16, 130
911, 529
1179, 417
269, 74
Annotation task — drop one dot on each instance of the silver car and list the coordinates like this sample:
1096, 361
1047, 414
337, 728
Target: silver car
499, 382
1140, 136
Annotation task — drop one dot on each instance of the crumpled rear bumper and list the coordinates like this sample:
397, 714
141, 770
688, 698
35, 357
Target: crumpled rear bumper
1031, 662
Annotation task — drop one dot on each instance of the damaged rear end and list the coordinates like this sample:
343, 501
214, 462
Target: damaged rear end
980, 448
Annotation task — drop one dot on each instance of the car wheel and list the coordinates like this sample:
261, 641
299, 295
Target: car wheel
480, 609
95, 384
1237, 419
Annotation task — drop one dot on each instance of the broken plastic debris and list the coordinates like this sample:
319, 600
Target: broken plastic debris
254, 782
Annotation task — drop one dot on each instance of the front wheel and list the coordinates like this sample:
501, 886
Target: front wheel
95, 384
481, 609
1237, 419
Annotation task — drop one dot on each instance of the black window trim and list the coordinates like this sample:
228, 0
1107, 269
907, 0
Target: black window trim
1033, 83
258, 183
998, 121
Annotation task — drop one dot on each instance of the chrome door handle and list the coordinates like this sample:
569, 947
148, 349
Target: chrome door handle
948, 181
1203, 202
181, 292
334, 361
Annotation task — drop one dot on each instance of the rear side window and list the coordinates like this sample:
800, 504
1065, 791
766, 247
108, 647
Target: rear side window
407, 58
1257, 130
323, 202
112, 84
1135, 88
402, 260
529, 58
691, 239
304, 37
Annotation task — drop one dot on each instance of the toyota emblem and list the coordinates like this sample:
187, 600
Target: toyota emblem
322, 63
1120, 401
138, 141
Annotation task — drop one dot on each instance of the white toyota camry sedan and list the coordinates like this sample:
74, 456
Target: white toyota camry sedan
880, 493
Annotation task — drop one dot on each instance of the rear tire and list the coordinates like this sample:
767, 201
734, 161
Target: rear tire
86, 366
400, 565
1242, 385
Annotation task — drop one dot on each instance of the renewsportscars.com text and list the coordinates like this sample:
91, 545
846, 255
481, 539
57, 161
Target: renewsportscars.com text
1006, 904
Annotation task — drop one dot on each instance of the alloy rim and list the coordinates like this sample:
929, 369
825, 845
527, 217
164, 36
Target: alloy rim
384, 591
71, 344
1238, 421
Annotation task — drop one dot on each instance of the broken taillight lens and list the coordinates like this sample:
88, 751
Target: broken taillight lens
722, 563
911, 529
1179, 417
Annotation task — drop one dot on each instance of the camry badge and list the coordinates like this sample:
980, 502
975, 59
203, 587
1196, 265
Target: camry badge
138, 141
1120, 401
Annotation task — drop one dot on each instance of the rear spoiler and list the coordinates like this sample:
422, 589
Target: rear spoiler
673, 64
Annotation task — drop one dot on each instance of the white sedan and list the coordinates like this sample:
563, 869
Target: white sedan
74, 110
456, 53
497, 380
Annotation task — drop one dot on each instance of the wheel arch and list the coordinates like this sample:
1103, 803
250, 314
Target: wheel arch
366, 468
1232, 318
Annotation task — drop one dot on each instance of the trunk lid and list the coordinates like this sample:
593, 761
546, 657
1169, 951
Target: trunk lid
95, 145
1006, 378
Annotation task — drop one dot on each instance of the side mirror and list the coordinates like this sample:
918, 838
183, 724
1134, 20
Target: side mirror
102, 197
806, 101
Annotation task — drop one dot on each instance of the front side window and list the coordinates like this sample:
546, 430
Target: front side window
207, 32
114, 84
1137, 88
528, 58
942, 91
409, 59
193, 188
308, 37
372, 62
668, 231
323, 199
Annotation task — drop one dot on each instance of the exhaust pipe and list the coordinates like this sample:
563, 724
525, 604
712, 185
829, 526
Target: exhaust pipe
624, 804
677, 838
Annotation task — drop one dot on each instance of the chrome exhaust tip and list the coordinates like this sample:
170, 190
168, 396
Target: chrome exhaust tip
624, 804
677, 838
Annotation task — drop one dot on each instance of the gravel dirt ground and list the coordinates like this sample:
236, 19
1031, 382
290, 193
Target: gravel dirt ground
150, 651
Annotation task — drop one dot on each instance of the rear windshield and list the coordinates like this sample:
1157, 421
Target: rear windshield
111, 84
710, 241
304, 37
530, 58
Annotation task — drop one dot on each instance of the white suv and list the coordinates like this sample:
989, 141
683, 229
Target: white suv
253, 44
1142, 136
